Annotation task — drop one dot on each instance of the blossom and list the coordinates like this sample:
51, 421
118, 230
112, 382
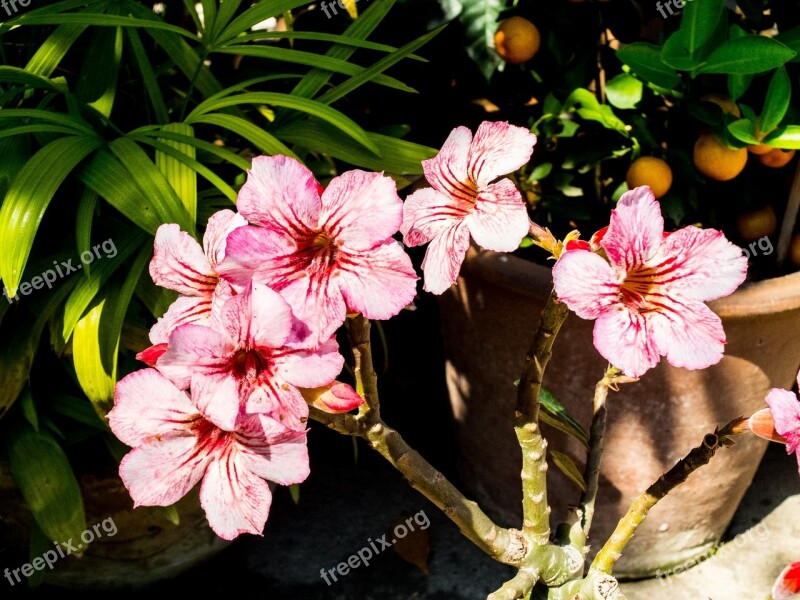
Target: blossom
781, 421
466, 200
249, 341
327, 252
177, 443
787, 586
648, 297
180, 264
335, 398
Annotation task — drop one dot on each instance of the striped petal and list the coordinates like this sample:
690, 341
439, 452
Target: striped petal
273, 451
179, 263
498, 149
234, 498
194, 349
185, 310
636, 230
428, 213
500, 218
622, 338
687, 333
586, 283
318, 306
447, 171
220, 224
257, 317
217, 397
278, 399
444, 257
280, 193
361, 210
263, 255
310, 368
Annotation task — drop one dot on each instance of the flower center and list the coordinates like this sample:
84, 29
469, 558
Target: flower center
248, 364
324, 249
640, 290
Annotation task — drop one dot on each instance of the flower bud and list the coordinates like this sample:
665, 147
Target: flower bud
334, 398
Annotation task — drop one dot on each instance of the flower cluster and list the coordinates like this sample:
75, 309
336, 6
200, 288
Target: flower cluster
249, 343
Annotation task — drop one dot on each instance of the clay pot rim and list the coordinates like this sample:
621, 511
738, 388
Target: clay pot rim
775, 295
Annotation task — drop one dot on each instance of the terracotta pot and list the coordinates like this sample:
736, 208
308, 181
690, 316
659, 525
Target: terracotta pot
488, 320
146, 546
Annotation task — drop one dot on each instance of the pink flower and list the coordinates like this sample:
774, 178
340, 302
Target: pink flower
781, 421
649, 301
327, 255
787, 586
335, 398
177, 443
180, 264
249, 342
466, 200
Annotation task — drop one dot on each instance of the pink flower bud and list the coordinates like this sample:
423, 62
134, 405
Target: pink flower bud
334, 398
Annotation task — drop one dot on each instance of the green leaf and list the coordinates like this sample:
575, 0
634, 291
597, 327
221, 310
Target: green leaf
153, 184
29, 409
566, 465
105, 175
313, 60
479, 19
744, 130
68, 121
738, 85
541, 171
22, 77
776, 104
83, 223
86, 18
398, 157
257, 13
675, 54
561, 419
141, 135
294, 491
787, 138
312, 107
181, 177
265, 141
321, 37
95, 341
624, 91
52, 51
77, 409
149, 80
28, 198
748, 55
46, 480
698, 22
644, 59
171, 512
790, 38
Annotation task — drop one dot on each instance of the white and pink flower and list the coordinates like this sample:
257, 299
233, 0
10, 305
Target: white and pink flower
327, 252
781, 421
177, 443
250, 342
648, 297
180, 264
467, 200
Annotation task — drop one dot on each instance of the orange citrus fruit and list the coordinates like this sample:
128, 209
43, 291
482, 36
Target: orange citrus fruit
650, 171
794, 250
726, 104
776, 158
716, 160
517, 40
759, 149
757, 224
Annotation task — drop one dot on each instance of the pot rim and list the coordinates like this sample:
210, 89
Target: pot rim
769, 296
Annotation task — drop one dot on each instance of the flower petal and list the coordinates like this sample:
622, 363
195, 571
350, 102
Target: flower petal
220, 224
378, 283
150, 356
280, 400
498, 149
163, 471
586, 283
235, 499
447, 171
193, 349
785, 410
186, 309
148, 405
256, 317
311, 368
361, 210
179, 263
428, 213
260, 253
688, 334
622, 338
700, 263
443, 259
636, 230
280, 193
273, 451
787, 586
217, 397
318, 306
500, 219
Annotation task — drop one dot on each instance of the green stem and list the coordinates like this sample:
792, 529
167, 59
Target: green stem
612, 550
535, 510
